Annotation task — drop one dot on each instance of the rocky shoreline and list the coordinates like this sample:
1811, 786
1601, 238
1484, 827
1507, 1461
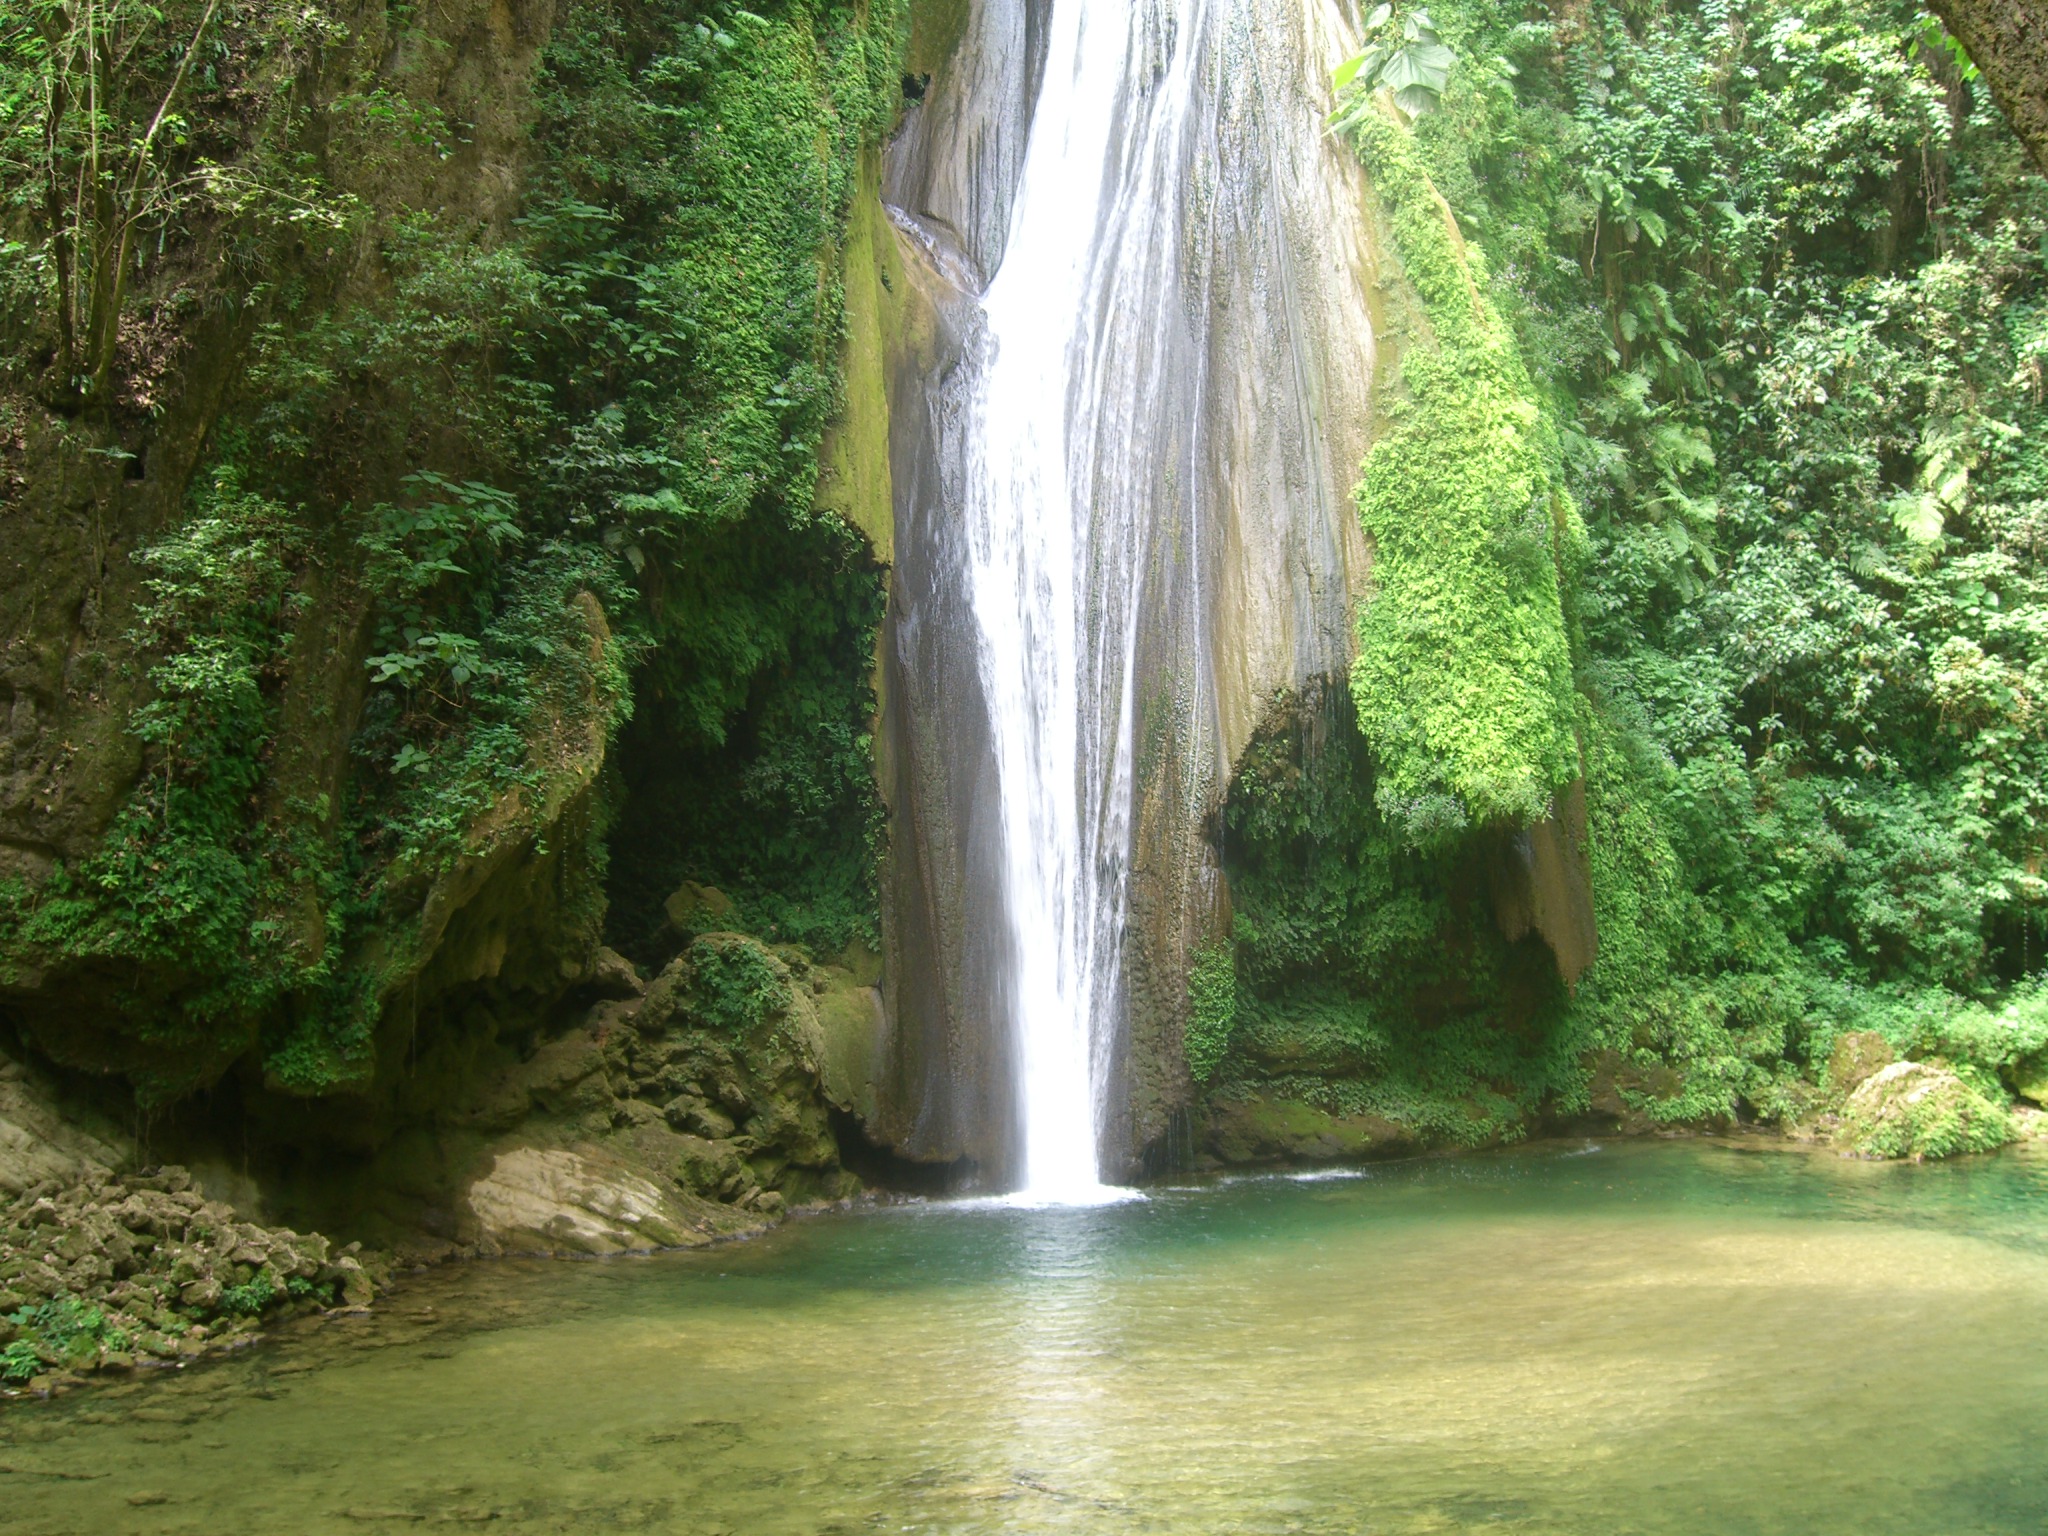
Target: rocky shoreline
657, 1124
116, 1272
670, 1114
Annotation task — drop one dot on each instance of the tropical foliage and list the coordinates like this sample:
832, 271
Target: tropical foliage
1777, 270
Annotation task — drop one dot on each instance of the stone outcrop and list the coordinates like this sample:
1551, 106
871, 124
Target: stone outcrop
1916, 1110
47, 1141
554, 1200
1260, 1129
1543, 883
695, 1110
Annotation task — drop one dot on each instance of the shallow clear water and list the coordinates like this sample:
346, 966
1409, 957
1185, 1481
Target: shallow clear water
1675, 1337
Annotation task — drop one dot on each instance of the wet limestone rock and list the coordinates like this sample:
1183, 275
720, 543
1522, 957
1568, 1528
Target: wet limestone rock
851, 1030
1913, 1109
553, 1200
1543, 881
1235, 405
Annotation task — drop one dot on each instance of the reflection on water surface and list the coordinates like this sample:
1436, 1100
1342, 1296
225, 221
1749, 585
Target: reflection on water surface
1678, 1338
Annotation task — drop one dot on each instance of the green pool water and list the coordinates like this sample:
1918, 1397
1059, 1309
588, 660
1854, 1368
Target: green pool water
1684, 1337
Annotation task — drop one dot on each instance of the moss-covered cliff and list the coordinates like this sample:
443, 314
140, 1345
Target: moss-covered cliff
419, 569
1744, 281
410, 432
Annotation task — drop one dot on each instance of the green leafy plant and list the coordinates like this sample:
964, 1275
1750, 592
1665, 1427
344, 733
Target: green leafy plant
19, 1361
1212, 1009
1404, 55
250, 1298
735, 984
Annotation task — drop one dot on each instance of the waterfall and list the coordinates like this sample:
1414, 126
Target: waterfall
1054, 532
1130, 351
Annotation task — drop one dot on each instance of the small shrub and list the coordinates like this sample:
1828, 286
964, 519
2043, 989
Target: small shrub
738, 984
19, 1361
250, 1298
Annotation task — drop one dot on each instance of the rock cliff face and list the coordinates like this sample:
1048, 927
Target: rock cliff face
2008, 40
254, 873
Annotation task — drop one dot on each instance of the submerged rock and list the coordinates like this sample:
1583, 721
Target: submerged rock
1912, 1109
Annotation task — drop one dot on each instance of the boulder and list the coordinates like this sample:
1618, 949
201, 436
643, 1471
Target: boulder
613, 977
851, 1029
1260, 1129
1858, 1056
567, 1075
697, 908
1913, 1109
2028, 1078
555, 1200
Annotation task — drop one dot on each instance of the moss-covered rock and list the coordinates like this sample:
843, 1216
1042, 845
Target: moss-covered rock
2029, 1077
1259, 1129
104, 1271
1857, 1057
1464, 672
1912, 1109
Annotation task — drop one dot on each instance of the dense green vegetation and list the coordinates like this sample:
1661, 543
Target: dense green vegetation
1778, 271
1371, 976
1463, 683
525, 468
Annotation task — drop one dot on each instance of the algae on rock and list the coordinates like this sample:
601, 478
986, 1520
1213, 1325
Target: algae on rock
1912, 1109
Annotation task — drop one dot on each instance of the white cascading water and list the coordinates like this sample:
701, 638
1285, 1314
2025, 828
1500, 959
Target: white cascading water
1053, 539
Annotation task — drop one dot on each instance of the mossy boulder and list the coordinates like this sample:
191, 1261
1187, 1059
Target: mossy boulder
1857, 1057
1258, 1129
1913, 1109
695, 908
2029, 1077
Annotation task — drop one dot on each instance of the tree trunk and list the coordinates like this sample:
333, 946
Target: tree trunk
2008, 41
